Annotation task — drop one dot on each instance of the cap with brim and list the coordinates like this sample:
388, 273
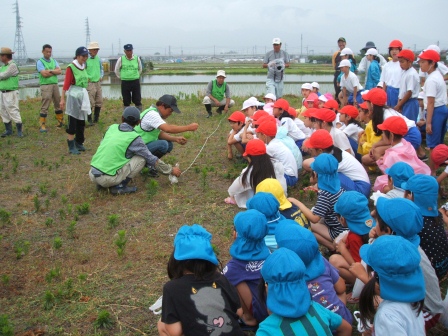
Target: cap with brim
81, 51
267, 204
407, 54
249, 103
128, 47
323, 98
276, 41
315, 85
263, 119
331, 104
6, 51
274, 187
270, 96
306, 86
131, 114
259, 114
425, 190
255, 147
324, 114
395, 125
292, 112
402, 216
372, 51
296, 238
281, 103
400, 173
221, 73
397, 263
350, 110
194, 242
354, 207
364, 106
251, 227
237, 116
342, 39
439, 155
268, 127
376, 96
430, 55
320, 139
326, 166
346, 51
309, 112
170, 101
344, 63
288, 295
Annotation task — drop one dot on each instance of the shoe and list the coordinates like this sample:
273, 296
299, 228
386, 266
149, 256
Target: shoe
89, 120
72, 147
122, 189
8, 130
209, 115
219, 110
80, 147
424, 158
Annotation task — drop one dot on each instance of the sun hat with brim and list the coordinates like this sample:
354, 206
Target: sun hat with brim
249, 103
255, 147
251, 228
237, 116
296, 238
402, 216
194, 242
93, 45
395, 125
376, 96
268, 205
221, 73
439, 155
344, 63
307, 86
369, 45
350, 110
268, 127
346, 51
270, 96
354, 207
407, 54
274, 187
397, 263
320, 139
6, 51
292, 112
324, 114
400, 173
430, 55
331, 104
426, 191
326, 166
288, 294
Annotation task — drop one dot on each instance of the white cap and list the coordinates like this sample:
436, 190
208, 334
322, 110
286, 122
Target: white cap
315, 85
221, 73
372, 51
346, 51
345, 63
307, 86
323, 98
277, 41
250, 102
421, 95
270, 96
433, 47
93, 45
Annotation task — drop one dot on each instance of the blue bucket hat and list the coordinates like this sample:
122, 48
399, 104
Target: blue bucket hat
426, 192
354, 207
251, 227
402, 216
400, 173
288, 294
326, 166
194, 242
296, 238
397, 262
268, 205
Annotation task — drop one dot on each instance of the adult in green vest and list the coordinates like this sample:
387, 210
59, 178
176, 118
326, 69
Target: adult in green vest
48, 69
9, 94
122, 154
78, 104
217, 95
128, 69
95, 72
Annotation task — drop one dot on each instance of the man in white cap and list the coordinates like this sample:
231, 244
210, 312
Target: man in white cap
95, 72
276, 61
217, 95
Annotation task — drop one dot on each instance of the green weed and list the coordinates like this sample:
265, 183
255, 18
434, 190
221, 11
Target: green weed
37, 204
104, 320
64, 199
43, 188
6, 329
83, 209
54, 273
5, 216
71, 229
21, 248
49, 221
5, 279
57, 243
112, 221
120, 242
49, 300
26, 189
151, 188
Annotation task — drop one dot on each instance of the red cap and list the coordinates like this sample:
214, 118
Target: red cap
430, 55
439, 155
255, 147
396, 44
282, 103
292, 112
331, 104
407, 54
324, 114
263, 119
376, 97
309, 112
268, 128
320, 139
395, 125
260, 113
364, 106
237, 116
350, 110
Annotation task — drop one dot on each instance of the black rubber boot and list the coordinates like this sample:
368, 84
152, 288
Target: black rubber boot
72, 147
80, 147
220, 109
19, 130
8, 130
89, 120
96, 114
123, 188
140, 108
208, 107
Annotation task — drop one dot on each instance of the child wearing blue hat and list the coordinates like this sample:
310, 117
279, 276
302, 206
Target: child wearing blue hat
353, 208
397, 174
423, 191
197, 300
325, 285
400, 280
248, 253
293, 311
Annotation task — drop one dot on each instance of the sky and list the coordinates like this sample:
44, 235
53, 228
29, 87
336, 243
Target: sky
214, 27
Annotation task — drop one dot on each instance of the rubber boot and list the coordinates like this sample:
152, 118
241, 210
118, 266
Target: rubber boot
59, 118
72, 147
89, 120
123, 188
42, 120
19, 130
96, 114
208, 107
8, 130
80, 147
220, 109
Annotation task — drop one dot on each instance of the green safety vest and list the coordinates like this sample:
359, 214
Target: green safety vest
111, 154
218, 92
151, 135
10, 83
48, 66
93, 69
129, 68
81, 78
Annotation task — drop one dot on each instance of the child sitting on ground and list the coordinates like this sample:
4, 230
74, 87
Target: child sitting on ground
248, 253
281, 108
398, 174
299, 123
237, 121
348, 115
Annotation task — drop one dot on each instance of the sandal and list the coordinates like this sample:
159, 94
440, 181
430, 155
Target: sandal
229, 200
156, 308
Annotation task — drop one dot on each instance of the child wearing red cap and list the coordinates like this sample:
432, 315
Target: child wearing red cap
439, 157
280, 111
441, 67
299, 122
368, 137
237, 121
391, 74
348, 116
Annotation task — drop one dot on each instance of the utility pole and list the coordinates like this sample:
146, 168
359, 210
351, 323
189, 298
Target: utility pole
112, 48
119, 44
301, 42
19, 43
87, 32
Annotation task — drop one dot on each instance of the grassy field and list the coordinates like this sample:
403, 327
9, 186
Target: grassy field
75, 261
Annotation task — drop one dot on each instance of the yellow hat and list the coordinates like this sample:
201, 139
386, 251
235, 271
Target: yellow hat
274, 187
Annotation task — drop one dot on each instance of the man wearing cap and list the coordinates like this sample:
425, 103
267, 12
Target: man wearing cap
95, 72
9, 94
156, 132
335, 60
128, 69
48, 69
217, 95
365, 63
122, 154
276, 61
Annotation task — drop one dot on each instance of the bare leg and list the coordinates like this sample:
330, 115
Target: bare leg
229, 152
342, 265
320, 231
246, 303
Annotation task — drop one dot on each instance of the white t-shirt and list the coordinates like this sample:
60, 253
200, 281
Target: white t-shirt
238, 135
340, 140
293, 131
398, 319
409, 82
301, 125
352, 130
435, 87
277, 150
351, 82
352, 168
338, 121
443, 69
151, 121
391, 74
392, 113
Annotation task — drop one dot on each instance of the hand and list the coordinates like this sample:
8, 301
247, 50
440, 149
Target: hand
176, 171
428, 128
357, 269
62, 104
397, 108
340, 247
420, 123
193, 127
181, 140
360, 134
372, 233
226, 108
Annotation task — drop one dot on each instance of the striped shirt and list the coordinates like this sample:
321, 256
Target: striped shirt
324, 208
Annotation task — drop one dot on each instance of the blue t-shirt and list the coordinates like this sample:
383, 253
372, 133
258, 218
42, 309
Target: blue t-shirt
317, 321
296, 215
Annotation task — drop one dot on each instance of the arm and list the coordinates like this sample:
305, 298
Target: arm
345, 329
67, 83
358, 270
339, 286
403, 101
174, 129
429, 113
355, 92
101, 70
345, 253
307, 212
168, 137
10, 72
140, 66
246, 136
227, 94
118, 67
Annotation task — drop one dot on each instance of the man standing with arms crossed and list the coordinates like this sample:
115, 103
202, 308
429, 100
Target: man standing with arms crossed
276, 61
48, 69
95, 73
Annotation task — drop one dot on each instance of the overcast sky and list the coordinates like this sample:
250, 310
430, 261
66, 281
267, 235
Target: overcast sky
205, 26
